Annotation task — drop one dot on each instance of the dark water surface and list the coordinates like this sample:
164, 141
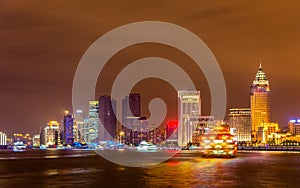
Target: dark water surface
67, 168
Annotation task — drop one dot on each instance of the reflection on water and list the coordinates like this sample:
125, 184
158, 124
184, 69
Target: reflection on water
86, 169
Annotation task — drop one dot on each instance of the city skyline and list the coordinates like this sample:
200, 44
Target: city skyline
43, 43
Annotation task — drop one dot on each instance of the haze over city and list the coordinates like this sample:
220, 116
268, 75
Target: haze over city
42, 44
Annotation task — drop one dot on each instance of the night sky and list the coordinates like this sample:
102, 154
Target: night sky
41, 44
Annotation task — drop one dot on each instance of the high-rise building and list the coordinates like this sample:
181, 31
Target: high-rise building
259, 99
189, 109
240, 119
131, 105
294, 126
79, 128
91, 130
68, 129
50, 134
3, 138
107, 117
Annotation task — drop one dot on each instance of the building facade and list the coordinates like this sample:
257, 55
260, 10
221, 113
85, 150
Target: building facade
3, 138
50, 135
259, 100
68, 129
107, 117
240, 119
189, 109
294, 126
90, 130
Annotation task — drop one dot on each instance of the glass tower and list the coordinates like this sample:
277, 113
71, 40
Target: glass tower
189, 109
259, 99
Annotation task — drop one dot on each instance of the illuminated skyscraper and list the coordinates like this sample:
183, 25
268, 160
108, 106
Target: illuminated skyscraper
259, 98
107, 106
50, 134
68, 129
189, 109
240, 119
90, 130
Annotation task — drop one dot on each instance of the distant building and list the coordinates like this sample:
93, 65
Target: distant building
36, 140
204, 124
259, 99
264, 130
189, 109
107, 117
79, 126
50, 135
68, 129
25, 138
294, 126
3, 138
172, 133
90, 131
240, 119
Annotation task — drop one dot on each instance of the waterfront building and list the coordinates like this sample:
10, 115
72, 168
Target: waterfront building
259, 99
264, 130
51, 134
68, 128
79, 126
107, 117
25, 138
91, 130
240, 120
171, 133
36, 140
189, 109
204, 124
3, 138
294, 126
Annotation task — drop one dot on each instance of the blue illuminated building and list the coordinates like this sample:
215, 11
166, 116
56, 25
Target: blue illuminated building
68, 129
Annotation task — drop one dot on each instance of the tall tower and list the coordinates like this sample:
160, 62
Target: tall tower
189, 109
68, 128
107, 108
259, 99
90, 130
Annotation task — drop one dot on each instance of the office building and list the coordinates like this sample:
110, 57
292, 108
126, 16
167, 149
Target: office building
3, 138
294, 126
90, 130
68, 128
259, 99
50, 134
240, 120
107, 117
189, 109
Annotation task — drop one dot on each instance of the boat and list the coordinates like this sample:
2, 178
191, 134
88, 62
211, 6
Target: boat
145, 146
218, 142
19, 146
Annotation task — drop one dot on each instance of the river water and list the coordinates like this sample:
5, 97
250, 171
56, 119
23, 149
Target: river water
69, 168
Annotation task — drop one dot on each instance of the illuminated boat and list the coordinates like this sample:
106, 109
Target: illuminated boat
19, 146
218, 142
145, 146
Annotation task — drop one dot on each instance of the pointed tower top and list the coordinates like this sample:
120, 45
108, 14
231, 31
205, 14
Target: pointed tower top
260, 77
260, 66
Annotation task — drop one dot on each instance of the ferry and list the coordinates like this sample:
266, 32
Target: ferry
145, 146
19, 146
218, 142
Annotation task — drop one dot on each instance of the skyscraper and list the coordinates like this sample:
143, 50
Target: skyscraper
131, 105
107, 106
259, 99
90, 130
189, 109
240, 119
68, 128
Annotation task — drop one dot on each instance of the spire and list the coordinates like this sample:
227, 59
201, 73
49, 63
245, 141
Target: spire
260, 77
260, 66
